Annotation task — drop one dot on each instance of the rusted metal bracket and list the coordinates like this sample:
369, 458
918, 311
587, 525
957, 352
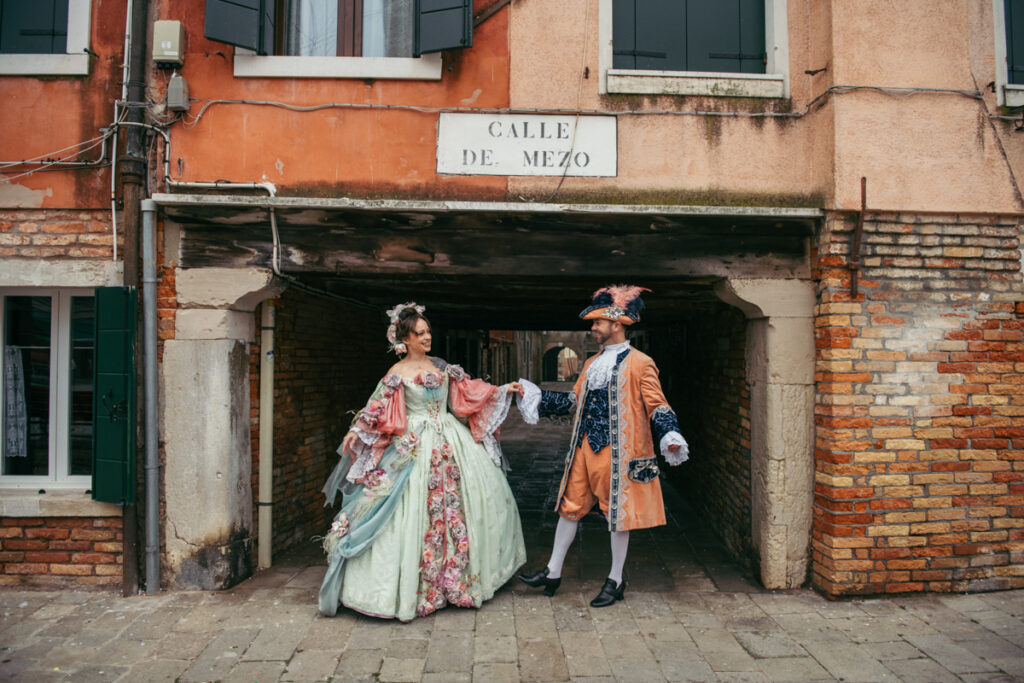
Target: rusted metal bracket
491, 10
858, 233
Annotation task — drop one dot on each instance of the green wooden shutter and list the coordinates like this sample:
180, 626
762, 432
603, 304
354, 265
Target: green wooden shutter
649, 34
244, 23
442, 25
725, 36
624, 34
1015, 41
689, 35
113, 446
753, 55
37, 27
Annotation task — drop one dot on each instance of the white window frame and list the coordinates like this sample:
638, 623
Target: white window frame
1007, 94
76, 60
773, 83
60, 400
248, 64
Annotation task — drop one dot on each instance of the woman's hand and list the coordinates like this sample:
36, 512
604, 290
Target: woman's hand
517, 387
348, 442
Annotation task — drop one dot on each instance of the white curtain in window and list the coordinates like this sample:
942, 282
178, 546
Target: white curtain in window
15, 413
312, 28
373, 28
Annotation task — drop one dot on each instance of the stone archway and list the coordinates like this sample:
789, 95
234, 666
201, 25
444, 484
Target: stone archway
780, 370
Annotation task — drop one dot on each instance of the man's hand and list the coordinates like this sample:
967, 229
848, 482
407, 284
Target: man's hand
674, 447
518, 388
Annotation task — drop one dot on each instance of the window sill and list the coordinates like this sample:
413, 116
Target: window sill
44, 65
54, 503
630, 82
1013, 94
425, 68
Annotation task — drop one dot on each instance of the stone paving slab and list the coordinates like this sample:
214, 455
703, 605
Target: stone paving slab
687, 616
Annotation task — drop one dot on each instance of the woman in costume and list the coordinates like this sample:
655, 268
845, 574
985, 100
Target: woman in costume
427, 517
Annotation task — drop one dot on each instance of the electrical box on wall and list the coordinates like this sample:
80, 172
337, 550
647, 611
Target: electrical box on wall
177, 94
168, 44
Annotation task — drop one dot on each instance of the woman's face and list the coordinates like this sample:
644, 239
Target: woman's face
419, 338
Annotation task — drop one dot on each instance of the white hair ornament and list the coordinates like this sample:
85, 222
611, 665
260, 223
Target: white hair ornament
393, 315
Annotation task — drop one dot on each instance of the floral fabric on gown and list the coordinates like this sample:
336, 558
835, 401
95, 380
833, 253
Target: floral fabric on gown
427, 518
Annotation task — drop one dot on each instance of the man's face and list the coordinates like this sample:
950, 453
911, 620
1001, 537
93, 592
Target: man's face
603, 330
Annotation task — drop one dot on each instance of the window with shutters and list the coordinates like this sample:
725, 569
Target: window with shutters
47, 399
340, 38
44, 37
1008, 17
733, 48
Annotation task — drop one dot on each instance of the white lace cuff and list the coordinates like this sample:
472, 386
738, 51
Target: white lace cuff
677, 457
529, 402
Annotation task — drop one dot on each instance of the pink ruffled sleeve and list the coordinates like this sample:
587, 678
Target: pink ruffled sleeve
484, 405
382, 418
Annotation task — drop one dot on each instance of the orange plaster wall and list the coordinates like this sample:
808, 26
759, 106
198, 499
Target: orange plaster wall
42, 115
333, 151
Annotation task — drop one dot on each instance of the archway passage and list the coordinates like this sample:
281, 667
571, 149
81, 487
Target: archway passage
489, 272
330, 354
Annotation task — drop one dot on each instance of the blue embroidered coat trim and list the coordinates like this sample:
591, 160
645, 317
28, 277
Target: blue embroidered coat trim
556, 403
595, 423
663, 421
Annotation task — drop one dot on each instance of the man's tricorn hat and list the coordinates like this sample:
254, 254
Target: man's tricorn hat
620, 303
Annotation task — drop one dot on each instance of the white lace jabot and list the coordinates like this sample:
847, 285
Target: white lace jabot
600, 371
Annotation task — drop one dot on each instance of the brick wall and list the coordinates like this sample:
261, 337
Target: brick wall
328, 358
55, 233
54, 552
706, 384
919, 476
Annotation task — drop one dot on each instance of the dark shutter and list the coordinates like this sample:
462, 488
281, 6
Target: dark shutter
113, 451
649, 34
726, 36
443, 25
623, 34
38, 27
244, 23
689, 35
1015, 41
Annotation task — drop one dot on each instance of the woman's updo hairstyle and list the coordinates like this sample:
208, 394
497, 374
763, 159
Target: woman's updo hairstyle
406, 322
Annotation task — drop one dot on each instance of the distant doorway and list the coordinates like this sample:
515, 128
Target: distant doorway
560, 364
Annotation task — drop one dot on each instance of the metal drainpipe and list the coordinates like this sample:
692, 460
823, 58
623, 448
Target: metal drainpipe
266, 492
152, 466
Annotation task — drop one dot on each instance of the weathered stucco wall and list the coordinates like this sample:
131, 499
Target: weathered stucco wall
334, 150
925, 151
45, 114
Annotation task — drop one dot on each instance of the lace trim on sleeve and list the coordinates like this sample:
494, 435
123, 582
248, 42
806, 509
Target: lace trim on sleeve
529, 402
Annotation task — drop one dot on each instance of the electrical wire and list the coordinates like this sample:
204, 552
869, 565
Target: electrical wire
579, 103
44, 159
833, 90
47, 165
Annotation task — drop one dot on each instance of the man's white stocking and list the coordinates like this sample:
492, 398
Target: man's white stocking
564, 533
620, 544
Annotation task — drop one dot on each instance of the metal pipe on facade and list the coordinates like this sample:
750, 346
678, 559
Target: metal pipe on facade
152, 464
858, 233
131, 170
266, 453
267, 187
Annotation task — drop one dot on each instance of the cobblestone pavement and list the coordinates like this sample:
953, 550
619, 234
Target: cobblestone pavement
689, 615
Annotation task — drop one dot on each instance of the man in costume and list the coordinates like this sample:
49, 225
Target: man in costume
618, 405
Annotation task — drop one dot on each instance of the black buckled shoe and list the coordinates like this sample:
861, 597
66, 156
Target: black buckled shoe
609, 594
540, 578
